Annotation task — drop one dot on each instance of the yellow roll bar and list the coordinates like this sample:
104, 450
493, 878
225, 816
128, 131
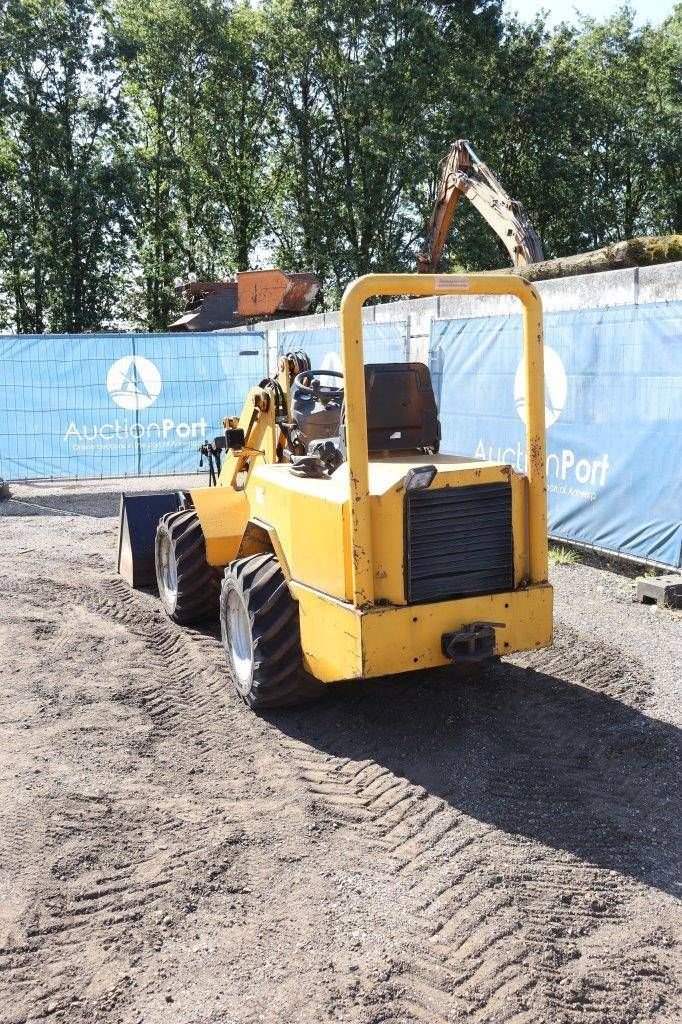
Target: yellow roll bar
356, 413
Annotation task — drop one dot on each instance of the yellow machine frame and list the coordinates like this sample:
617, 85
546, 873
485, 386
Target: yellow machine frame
355, 621
356, 416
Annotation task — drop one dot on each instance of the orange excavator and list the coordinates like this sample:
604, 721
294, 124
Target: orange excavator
463, 174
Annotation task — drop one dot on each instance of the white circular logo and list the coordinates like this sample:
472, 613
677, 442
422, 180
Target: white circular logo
556, 388
331, 361
134, 382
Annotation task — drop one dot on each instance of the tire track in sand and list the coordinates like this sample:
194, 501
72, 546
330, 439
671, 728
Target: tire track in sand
121, 862
507, 834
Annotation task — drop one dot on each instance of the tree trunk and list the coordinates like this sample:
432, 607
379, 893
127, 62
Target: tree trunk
635, 252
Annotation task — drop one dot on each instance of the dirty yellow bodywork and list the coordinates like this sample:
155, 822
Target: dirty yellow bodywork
341, 540
343, 642
223, 513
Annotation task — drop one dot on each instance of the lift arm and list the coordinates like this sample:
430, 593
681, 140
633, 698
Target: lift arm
463, 174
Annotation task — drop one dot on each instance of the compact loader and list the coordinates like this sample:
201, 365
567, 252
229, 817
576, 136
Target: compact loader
339, 543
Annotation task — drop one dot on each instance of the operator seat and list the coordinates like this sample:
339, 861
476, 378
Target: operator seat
402, 414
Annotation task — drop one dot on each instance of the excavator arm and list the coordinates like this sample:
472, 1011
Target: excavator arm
463, 174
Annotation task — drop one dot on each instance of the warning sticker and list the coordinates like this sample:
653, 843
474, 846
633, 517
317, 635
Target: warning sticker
452, 283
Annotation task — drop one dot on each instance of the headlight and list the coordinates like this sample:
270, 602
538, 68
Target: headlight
419, 478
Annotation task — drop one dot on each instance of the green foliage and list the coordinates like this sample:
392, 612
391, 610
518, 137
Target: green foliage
65, 170
139, 142
199, 92
162, 50
626, 125
561, 555
360, 92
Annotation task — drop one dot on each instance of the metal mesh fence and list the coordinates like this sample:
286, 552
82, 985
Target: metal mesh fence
613, 410
116, 405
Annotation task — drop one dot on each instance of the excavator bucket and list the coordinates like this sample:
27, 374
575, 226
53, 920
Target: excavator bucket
275, 293
140, 515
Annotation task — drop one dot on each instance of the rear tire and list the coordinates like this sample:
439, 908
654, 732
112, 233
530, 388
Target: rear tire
188, 585
261, 635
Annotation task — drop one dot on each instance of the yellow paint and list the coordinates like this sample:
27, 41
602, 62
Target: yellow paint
310, 520
520, 528
341, 641
262, 433
223, 514
273, 544
341, 540
356, 430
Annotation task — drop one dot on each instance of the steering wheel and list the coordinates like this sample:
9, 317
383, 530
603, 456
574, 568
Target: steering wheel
322, 390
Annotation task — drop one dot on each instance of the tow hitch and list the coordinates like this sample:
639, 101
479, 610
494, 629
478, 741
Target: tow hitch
471, 643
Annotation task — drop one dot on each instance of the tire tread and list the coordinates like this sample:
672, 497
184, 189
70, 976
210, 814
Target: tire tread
198, 582
278, 676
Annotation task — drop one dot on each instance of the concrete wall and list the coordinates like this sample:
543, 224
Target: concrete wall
661, 283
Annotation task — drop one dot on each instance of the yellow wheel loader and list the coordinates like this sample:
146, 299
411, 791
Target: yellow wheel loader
339, 543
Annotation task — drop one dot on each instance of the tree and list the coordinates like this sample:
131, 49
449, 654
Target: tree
626, 126
198, 89
357, 88
163, 62
662, 49
234, 145
65, 173
525, 138
141, 142
582, 126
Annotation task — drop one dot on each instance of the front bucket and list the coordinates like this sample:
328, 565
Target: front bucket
140, 514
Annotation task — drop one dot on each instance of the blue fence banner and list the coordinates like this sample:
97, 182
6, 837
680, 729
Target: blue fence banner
613, 397
119, 404
383, 343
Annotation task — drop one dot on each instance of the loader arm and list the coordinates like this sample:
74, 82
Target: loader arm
463, 174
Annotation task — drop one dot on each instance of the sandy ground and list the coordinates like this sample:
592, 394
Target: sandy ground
437, 848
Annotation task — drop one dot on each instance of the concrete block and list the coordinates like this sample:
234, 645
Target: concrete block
462, 307
660, 283
665, 591
608, 288
389, 312
311, 322
420, 315
332, 317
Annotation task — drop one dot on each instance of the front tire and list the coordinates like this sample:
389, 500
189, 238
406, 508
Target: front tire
261, 635
188, 585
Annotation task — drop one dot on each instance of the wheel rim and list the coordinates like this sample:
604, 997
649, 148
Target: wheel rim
168, 578
240, 641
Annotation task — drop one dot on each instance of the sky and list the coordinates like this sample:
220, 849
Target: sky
654, 11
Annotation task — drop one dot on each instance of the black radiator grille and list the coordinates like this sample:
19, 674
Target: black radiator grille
459, 542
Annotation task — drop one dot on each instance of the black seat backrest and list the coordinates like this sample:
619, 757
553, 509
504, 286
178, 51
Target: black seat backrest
401, 407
